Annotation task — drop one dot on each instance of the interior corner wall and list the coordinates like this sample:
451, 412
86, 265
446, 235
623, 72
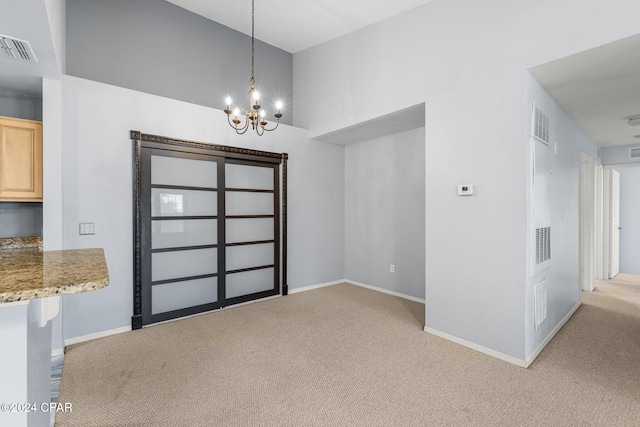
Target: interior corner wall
56, 13
467, 61
157, 47
384, 212
630, 220
563, 275
97, 187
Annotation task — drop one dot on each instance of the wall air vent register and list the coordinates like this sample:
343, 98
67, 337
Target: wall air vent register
542, 165
11, 47
543, 244
540, 125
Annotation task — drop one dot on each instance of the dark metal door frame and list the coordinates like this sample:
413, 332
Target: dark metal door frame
160, 145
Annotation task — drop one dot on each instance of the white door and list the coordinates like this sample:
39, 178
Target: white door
615, 224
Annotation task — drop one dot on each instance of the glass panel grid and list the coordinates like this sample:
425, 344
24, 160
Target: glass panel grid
175, 202
246, 203
247, 256
250, 177
188, 263
174, 296
249, 229
181, 233
249, 282
166, 170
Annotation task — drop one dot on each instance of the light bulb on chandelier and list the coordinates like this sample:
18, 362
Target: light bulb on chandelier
253, 117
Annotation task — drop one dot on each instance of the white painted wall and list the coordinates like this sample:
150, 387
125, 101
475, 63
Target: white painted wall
97, 187
26, 354
52, 183
384, 212
563, 276
467, 61
630, 220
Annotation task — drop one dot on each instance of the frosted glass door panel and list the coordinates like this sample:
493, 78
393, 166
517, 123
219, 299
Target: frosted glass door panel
174, 296
174, 265
181, 233
249, 282
253, 177
249, 229
247, 256
166, 202
246, 203
183, 172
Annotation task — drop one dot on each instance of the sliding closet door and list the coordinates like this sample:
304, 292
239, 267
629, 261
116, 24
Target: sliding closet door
252, 230
207, 228
181, 226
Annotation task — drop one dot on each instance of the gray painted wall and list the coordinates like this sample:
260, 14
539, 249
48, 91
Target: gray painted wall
630, 220
156, 47
618, 155
20, 219
384, 212
20, 106
97, 187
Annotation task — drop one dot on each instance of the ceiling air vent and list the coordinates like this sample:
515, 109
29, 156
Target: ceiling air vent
540, 125
634, 153
17, 49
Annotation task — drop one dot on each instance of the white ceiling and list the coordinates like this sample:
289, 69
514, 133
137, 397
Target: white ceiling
599, 88
297, 25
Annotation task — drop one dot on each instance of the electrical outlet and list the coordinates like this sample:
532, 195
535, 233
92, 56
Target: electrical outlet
87, 228
465, 190
392, 268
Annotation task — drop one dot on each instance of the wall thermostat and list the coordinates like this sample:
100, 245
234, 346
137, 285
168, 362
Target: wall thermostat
465, 190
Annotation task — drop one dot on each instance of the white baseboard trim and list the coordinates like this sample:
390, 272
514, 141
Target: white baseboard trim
552, 334
311, 287
57, 352
362, 285
384, 291
96, 335
103, 334
473, 346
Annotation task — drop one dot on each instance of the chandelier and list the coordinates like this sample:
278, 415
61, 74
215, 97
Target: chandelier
254, 117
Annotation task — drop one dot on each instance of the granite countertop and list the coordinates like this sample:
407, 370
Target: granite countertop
27, 272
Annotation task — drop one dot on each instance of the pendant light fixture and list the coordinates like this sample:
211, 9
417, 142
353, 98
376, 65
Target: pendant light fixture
254, 117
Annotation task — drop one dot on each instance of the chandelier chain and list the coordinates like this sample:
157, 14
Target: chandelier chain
254, 116
253, 20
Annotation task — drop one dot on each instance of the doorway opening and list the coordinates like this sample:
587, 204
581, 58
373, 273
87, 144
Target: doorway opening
621, 249
590, 221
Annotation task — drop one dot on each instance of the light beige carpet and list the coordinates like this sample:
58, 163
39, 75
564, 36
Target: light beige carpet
348, 356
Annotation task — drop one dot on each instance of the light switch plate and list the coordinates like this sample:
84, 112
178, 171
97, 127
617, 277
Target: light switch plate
87, 228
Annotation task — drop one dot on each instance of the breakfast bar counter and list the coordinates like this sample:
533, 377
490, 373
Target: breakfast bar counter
29, 273
31, 283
